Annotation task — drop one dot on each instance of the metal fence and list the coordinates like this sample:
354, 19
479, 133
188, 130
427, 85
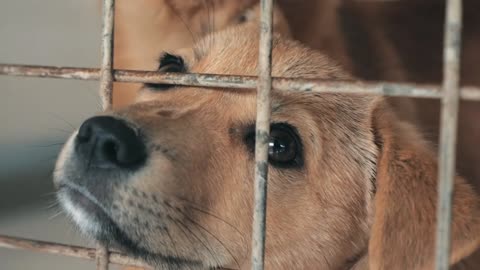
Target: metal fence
450, 93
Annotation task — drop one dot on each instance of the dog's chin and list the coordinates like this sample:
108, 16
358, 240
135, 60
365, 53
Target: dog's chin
88, 215
93, 220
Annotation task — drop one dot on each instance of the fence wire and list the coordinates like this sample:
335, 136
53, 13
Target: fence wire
241, 82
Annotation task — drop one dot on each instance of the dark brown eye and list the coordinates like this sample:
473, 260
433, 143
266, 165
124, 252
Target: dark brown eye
284, 147
242, 18
246, 16
168, 63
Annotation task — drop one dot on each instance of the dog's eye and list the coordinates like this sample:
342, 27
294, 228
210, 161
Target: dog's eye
246, 16
168, 63
284, 147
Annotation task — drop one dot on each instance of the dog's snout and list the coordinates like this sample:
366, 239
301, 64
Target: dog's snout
107, 142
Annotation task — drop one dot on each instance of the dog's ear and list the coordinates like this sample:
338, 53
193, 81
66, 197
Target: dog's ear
405, 202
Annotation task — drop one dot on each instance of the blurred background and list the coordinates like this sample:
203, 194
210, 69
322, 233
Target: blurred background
37, 115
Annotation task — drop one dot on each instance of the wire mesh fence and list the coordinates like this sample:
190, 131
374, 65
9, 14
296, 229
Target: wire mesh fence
450, 93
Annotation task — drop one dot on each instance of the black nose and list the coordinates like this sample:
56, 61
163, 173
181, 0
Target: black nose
107, 142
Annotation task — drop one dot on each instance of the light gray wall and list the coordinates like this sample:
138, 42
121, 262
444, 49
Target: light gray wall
36, 112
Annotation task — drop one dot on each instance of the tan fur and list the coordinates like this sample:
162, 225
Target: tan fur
144, 29
407, 156
365, 197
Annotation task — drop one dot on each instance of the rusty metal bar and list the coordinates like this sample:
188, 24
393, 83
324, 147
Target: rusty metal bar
262, 134
50, 72
448, 133
66, 250
101, 257
106, 91
239, 82
106, 71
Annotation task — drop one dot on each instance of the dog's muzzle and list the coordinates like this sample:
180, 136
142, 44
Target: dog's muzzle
95, 162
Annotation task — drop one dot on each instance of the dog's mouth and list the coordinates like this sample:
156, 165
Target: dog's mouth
84, 208
93, 219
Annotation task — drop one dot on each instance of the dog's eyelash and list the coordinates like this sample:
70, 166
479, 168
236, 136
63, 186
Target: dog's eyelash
168, 63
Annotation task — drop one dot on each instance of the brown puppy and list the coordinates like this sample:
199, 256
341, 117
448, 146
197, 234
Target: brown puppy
169, 178
145, 29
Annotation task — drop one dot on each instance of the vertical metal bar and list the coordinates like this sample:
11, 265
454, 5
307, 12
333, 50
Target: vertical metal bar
101, 257
106, 86
262, 134
448, 135
106, 71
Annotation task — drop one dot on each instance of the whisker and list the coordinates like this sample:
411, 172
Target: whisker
208, 232
48, 194
213, 17
207, 30
194, 206
61, 130
63, 119
53, 203
45, 161
199, 240
93, 93
186, 236
212, 20
55, 215
219, 218
177, 13
52, 206
173, 243
47, 145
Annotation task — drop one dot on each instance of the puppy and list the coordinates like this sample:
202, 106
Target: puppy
169, 179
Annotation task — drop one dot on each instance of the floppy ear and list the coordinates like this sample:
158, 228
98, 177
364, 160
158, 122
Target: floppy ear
405, 203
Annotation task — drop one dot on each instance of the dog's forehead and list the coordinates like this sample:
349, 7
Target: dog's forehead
235, 51
237, 106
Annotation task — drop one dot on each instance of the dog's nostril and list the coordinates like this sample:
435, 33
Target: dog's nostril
110, 150
106, 142
84, 134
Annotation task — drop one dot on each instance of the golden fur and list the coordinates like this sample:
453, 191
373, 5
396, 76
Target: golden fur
147, 28
364, 198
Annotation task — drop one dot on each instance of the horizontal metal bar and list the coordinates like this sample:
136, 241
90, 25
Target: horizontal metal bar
232, 81
66, 250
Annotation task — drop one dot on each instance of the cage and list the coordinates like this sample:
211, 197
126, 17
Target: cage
450, 93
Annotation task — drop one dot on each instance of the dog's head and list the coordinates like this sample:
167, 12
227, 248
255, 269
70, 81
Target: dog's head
170, 178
